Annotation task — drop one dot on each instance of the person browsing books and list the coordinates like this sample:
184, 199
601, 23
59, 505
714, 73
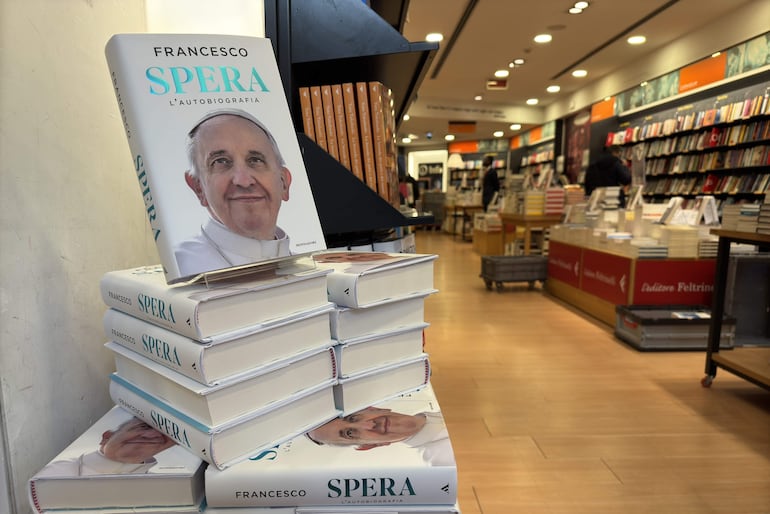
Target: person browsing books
607, 171
129, 449
490, 183
238, 174
374, 427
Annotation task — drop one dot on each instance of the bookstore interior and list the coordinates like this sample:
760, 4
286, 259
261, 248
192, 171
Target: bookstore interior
274, 360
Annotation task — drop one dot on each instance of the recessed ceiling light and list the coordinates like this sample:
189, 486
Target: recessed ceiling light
543, 38
501, 74
581, 5
574, 10
636, 40
413, 136
477, 98
449, 137
518, 62
434, 37
406, 117
553, 89
498, 133
579, 73
532, 101
607, 98
406, 140
716, 54
643, 83
515, 126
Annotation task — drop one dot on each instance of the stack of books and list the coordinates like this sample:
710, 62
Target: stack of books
534, 203
740, 216
707, 247
763, 218
681, 240
554, 200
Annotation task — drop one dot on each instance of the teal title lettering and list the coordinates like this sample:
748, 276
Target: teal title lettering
160, 349
203, 79
368, 487
156, 308
170, 428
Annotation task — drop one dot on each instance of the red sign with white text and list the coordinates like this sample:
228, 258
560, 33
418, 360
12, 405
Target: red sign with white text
671, 282
564, 263
607, 276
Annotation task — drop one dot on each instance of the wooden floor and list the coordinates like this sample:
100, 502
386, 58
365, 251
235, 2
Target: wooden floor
549, 413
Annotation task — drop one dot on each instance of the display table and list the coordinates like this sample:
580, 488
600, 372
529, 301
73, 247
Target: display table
465, 213
528, 223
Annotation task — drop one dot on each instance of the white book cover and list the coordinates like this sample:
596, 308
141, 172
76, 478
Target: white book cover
350, 323
133, 510
396, 453
375, 385
229, 443
376, 351
230, 399
361, 279
214, 149
219, 359
337, 509
220, 309
118, 462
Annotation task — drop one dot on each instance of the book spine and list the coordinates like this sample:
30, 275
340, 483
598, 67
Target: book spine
342, 288
329, 121
354, 141
173, 312
306, 107
365, 129
187, 432
378, 139
330, 486
318, 117
172, 350
340, 125
390, 145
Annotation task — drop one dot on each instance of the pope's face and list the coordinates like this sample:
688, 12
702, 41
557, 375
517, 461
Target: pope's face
369, 426
241, 181
134, 442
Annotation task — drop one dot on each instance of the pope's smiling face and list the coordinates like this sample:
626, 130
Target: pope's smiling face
369, 426
240, 179
134, 442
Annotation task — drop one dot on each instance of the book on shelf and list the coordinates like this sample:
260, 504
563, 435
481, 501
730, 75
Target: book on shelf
332, 145
358, 390
394, 453
350, 323
234, 441
170, 100
118, 462
379, 350
366, 135
202, 312
351, 125
319, 121
379, 143
338, 102
236, 397
221, 358
360, 279
306, 108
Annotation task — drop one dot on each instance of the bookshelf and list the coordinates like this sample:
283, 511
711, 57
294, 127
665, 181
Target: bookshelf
358, 45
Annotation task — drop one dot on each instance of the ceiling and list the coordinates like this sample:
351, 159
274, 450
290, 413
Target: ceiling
481, 36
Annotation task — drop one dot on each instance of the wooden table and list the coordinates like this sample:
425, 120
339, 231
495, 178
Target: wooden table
529, 223
465, 212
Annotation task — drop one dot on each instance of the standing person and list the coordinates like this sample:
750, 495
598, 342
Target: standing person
608, 171
238, 174
490, 182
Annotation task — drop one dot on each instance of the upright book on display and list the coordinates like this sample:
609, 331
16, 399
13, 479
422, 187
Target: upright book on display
214, 150
396, 452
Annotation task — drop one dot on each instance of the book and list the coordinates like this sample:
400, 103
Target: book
98, 471
365, 133
195, 509
361, 279
379, 350
319, 121
340, 125
220, 358
222, 308
180, 92
351, 125
405, 460
337, 509
377, 117
232, 442
307, 112
329, 121
349, 323
356, 391
218, 404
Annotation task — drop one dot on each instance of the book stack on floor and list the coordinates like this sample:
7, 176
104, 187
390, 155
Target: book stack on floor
355, 124
554, 200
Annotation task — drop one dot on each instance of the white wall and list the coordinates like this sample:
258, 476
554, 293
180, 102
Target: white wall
415, 158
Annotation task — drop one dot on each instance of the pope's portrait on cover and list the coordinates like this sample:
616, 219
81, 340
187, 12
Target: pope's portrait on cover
128, 449
238, 174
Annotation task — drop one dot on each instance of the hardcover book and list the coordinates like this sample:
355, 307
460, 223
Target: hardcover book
354, 139
332, 145
319, 122
134, 510
307, 112
340, 509
119, 461
348, 323
376, 351
340, 125
230, 399
203, 311
218, 359
361, 279
214, 150
366, 136
237, 440
396, 453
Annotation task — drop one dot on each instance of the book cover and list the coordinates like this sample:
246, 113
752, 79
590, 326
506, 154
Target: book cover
214, 149
379, 350
229, 443
360, 279
195, 509
218, 359
329, 121
340, 125
366, 137
307, 112
119, 461
349, 323
203, 311
319, 122
337, 509
377, 117
239, 396
394, 453
351, 121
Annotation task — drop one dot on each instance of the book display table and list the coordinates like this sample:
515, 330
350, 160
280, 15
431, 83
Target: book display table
528, 223
463, 213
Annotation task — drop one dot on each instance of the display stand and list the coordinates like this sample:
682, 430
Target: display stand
529, 223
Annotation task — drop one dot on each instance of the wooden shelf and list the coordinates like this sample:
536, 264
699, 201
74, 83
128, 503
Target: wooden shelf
753, 364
